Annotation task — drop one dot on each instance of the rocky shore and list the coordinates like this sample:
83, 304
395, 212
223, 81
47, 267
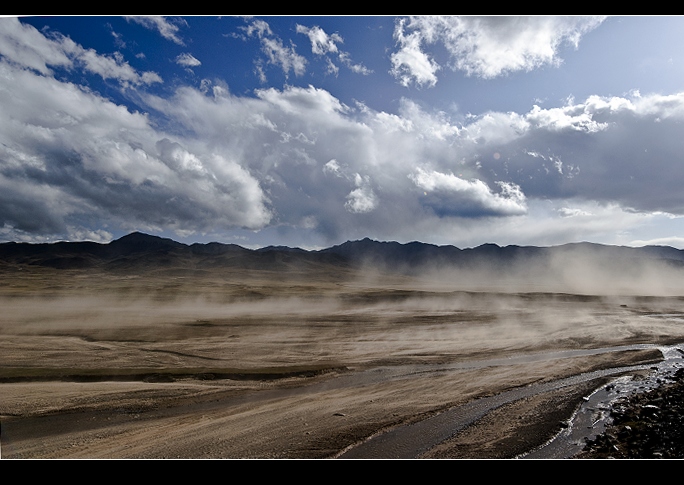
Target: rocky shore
648, 425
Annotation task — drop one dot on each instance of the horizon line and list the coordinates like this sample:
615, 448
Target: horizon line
340, 244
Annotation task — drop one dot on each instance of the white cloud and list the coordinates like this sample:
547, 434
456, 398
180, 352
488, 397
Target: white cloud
570, 212
674, 241
187, 60
83, 234
149, 77
332, 68
332, 167
68, 156
362, 199
258, 27
485, 47
432, 125
24, 46
410, 64
570, 117
109, 67
598, 222
276, 52
323, 44
282, 56
300, 100
356, 68
166, 28
452, 195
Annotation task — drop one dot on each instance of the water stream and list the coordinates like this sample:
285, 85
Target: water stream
411, 441
591, 419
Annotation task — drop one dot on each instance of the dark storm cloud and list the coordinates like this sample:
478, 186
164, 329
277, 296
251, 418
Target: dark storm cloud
620, 150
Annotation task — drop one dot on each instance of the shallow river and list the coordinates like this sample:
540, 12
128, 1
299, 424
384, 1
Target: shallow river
411, 441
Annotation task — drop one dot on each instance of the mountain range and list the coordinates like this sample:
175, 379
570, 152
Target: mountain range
139, 250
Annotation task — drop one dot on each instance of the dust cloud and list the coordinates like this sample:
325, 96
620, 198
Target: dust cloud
577, 272
355, 354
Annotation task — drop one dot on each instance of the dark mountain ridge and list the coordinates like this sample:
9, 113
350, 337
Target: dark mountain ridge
143, 250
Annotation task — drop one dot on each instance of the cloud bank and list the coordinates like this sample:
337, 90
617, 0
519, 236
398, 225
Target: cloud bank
74, 163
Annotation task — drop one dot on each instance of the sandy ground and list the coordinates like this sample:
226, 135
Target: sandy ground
111, 368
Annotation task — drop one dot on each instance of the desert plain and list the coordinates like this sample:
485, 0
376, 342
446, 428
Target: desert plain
233, 363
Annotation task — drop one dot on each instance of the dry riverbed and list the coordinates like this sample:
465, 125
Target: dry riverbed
293, 369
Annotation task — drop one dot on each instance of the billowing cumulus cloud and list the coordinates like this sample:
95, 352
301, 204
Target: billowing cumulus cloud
410, 65
299, 159
448, 194
485, 47
318, 159
362, 198
68, 155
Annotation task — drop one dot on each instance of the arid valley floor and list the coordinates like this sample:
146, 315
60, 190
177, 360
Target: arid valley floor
266, 364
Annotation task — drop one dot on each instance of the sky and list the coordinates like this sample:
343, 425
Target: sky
311, 131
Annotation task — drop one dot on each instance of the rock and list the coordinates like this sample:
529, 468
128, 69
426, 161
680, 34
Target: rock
645, 425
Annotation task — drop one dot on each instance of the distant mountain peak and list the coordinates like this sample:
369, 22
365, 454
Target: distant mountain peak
135, 236
139, 240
